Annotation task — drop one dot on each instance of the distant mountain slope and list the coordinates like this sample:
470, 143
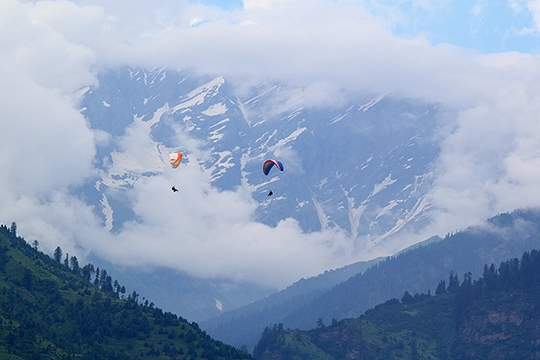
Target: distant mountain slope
51, 310
495, 317
416, 270
250, 320
419, 270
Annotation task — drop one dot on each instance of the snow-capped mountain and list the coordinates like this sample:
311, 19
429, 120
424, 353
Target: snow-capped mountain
364, 168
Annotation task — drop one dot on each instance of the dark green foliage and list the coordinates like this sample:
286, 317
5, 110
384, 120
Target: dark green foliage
50, 309
495, 317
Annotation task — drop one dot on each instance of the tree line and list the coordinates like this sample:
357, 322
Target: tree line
90, 273
452, 323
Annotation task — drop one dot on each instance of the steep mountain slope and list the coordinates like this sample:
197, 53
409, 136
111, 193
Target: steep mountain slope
363, 167
495, 317
51, 310
416, 270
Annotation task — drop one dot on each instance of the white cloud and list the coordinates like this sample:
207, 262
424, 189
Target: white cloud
211, 234
534, 7
46, 147
45, 144
489, 162
334, 49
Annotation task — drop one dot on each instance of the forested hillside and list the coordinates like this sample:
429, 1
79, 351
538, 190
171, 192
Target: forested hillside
416, 270
56, 309
494, 317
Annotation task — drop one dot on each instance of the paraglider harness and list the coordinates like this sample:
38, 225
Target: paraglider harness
174, 189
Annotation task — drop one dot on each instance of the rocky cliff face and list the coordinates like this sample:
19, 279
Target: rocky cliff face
504, 327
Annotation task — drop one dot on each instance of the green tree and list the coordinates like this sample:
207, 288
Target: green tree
441, 288
96, 280
13, 229
453, 282
75, 265
58, 254
87, 271
407, 298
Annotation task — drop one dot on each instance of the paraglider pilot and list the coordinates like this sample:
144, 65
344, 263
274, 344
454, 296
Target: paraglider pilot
175, 159
268, 164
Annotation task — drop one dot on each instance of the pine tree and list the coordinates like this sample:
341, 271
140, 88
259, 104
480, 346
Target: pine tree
96, 280
58, 254
453, 282
13, 229
75, 265
407, 299
87, 272
441, 288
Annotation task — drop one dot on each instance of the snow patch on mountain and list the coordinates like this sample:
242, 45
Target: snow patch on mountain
323, 219
107, 212
290, 138
216, 109
217, 134
420, 206
354, 214
386, 182
200, 94
365, 107
156, 117
225, 161
360, 168
219, 305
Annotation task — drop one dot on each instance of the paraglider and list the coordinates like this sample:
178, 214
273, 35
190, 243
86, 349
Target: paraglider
175, 159
268, 165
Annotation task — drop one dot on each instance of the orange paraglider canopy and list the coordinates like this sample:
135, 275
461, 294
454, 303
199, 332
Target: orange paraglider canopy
175, 159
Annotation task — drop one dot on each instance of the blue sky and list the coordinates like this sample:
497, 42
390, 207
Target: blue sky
488, 26
224, 4
485, 25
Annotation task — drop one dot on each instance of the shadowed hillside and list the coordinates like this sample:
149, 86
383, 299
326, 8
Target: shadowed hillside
494, 317
416, 270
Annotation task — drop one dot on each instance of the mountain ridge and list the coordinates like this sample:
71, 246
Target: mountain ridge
494, 317
416, 270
